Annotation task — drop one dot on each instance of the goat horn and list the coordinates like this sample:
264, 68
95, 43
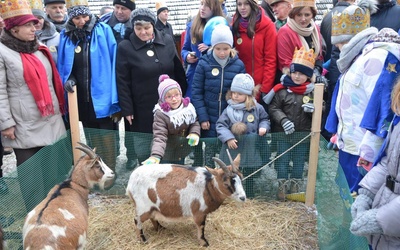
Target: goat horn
221, 164
87, 150
234, 170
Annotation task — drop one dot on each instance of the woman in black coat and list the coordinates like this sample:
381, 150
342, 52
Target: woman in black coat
141, 59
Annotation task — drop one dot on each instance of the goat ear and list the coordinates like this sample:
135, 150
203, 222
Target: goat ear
236, 163
212, 170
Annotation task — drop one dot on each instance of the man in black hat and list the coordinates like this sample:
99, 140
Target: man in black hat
55, 13
162, 23
118, 20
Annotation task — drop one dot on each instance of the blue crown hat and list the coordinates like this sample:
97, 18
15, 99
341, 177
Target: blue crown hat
209, 27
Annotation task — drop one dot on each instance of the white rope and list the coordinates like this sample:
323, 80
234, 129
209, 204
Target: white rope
277, 157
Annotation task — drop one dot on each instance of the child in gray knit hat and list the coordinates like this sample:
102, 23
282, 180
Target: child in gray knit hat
240, 126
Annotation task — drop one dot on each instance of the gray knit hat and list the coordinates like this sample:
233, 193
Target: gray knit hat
143, 14
38, 13
221, 34
243, 83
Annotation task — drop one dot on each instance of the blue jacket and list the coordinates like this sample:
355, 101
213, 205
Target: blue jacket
210, 84
103, 87
186, 48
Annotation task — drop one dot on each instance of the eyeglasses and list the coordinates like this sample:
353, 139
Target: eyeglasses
170, 97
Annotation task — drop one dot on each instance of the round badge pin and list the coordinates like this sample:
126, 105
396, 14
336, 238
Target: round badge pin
78, 49
215, 72
239, 41
250, 118
52, 48
150, 53
306, 99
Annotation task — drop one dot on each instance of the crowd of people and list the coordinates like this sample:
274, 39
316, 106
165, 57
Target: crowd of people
235, 80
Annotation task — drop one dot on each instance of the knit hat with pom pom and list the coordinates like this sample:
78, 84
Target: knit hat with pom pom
165, 85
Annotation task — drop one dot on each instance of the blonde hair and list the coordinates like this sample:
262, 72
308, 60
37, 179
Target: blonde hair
396, 97
249, 102
196, 31
232, 53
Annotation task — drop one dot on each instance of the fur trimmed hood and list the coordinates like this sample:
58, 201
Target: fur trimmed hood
18, 45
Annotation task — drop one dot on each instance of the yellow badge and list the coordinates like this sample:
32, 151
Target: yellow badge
391, 68
52, 48
239, 40
250, 118
306, 99
78, 49
150, 53
215, 72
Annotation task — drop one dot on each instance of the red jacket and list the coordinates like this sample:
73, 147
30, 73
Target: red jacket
288, 40
259, 53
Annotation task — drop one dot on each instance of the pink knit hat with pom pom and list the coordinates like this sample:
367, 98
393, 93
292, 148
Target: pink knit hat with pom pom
166, 84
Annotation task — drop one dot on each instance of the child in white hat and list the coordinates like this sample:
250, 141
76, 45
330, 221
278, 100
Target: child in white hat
175, 120
240, 126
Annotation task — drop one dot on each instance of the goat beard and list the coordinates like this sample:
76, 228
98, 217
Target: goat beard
239, 128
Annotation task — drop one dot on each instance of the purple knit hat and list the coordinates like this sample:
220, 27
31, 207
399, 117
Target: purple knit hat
166, 84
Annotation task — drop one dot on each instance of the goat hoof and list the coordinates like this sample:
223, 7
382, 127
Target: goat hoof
204, 243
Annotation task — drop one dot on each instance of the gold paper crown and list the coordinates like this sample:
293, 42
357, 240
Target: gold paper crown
36, 4
160, 4
350, 22
71, 3
304, 3
13, 8
304, 57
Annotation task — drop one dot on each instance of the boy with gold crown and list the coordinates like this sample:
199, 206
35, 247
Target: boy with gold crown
290, 108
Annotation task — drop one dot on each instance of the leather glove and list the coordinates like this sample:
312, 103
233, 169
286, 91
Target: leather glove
366, 224
193, 139
116, 117
308, 107
319, 78
151, 160
362, 203
288, 126
332, 144
69, 86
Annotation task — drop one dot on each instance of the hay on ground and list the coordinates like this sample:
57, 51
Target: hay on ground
249, 225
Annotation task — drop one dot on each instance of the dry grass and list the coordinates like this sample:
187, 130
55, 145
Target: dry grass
250, 225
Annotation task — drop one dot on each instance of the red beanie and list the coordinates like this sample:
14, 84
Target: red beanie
19, 20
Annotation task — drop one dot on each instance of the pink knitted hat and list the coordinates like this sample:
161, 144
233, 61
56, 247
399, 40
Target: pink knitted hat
166, 84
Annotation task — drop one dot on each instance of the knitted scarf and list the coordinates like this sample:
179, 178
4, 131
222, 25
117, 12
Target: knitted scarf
36, 78
183, 114
235, 111
288, 84
305, 32
354, 48
245, 22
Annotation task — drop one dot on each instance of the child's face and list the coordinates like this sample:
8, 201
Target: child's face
238, 97
173, 98
298, 77
222, 50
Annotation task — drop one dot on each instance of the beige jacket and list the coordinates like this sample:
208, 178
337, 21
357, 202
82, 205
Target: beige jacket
18, 107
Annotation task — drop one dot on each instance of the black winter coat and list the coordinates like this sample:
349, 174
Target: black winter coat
287, 105
139, 65
387, 16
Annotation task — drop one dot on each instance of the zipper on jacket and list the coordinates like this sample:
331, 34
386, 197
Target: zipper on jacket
252, 56
86, 71
220, 91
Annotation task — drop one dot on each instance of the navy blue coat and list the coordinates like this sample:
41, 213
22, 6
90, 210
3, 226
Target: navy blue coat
210, 84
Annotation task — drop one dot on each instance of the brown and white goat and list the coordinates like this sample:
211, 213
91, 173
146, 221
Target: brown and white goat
60, 221
170, 192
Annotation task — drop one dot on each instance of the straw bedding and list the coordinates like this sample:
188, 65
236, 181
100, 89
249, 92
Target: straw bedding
249, 225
